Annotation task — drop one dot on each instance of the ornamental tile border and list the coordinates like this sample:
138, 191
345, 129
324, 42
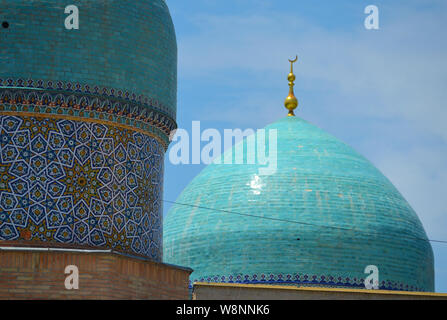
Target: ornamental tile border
85, 88
305, 280
77, 100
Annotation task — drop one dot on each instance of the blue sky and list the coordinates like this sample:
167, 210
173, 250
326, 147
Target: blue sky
381, 91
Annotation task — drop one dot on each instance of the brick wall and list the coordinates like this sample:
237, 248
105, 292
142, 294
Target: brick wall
40, 275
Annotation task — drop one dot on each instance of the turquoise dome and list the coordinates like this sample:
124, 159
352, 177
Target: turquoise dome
121, 46
330, 213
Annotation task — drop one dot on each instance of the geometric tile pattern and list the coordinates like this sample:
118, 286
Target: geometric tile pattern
83, 183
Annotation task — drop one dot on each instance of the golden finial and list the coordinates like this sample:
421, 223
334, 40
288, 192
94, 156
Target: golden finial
291, 101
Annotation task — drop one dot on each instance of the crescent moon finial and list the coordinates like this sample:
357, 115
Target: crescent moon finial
292, 62
291, 101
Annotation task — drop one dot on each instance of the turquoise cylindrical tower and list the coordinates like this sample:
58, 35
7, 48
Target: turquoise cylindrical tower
85, 118
320, 219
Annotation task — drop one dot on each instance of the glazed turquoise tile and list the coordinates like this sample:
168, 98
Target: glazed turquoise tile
123, 45
335, 214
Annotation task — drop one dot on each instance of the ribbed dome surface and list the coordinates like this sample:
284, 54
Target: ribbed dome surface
121, 45
344, 212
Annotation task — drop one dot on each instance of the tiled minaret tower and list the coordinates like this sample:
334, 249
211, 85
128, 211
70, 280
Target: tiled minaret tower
86, 109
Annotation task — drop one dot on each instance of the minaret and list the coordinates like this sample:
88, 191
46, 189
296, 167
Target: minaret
85, 120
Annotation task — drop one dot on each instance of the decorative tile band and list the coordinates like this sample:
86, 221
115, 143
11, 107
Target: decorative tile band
78, 100
305, 280
80, 183
149, 130
69, 87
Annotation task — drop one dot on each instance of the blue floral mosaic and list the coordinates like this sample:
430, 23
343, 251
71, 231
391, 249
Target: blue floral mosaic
80, 183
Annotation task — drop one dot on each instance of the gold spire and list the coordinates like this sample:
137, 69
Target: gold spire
291, 101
